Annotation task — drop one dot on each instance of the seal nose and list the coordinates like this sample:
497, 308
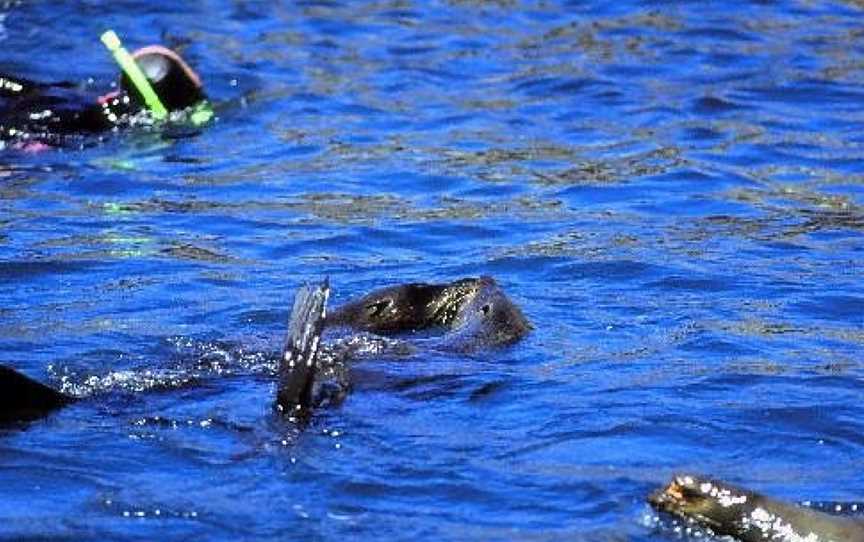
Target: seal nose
670, 494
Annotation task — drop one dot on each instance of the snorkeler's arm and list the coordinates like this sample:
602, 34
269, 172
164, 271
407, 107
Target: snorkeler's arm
12, 87
298, 364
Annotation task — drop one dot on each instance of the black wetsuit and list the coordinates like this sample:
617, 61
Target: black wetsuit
32, 112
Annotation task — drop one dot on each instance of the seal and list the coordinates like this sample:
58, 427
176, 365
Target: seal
470, 314
463, 316
748, 516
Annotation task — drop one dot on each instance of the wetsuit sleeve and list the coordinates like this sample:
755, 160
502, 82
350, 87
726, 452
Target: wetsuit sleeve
13, 87
92, 119
49, 112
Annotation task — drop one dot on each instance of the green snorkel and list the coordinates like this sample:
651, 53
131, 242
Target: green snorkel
199, 114
128, 64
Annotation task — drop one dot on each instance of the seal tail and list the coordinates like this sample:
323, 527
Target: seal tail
298, 364
24, 399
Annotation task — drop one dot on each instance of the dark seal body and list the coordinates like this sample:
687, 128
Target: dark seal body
749, 516
403, 308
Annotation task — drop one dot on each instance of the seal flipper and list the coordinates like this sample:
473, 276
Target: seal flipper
24, 399
298, 364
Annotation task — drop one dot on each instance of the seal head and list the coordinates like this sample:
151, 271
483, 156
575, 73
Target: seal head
485, 318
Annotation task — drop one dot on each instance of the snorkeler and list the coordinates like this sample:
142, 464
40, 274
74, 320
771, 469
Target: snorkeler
156, 83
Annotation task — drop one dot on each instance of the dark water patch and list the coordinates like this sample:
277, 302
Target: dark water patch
22, 270
186, 251
616, 169
842, 308
810, 423
621, 271
717, 347
489, 391
711, 105
818, 93
702, 133
694, 283
720, 33
552, 86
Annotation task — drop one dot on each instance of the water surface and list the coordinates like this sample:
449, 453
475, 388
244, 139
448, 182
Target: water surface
672, 192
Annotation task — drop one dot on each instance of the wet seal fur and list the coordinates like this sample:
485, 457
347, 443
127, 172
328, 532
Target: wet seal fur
471, 313
748, 516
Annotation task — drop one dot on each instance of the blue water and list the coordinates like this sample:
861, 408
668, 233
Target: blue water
672, 192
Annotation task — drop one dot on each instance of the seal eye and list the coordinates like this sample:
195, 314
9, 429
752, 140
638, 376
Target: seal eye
486, 309
378, 308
